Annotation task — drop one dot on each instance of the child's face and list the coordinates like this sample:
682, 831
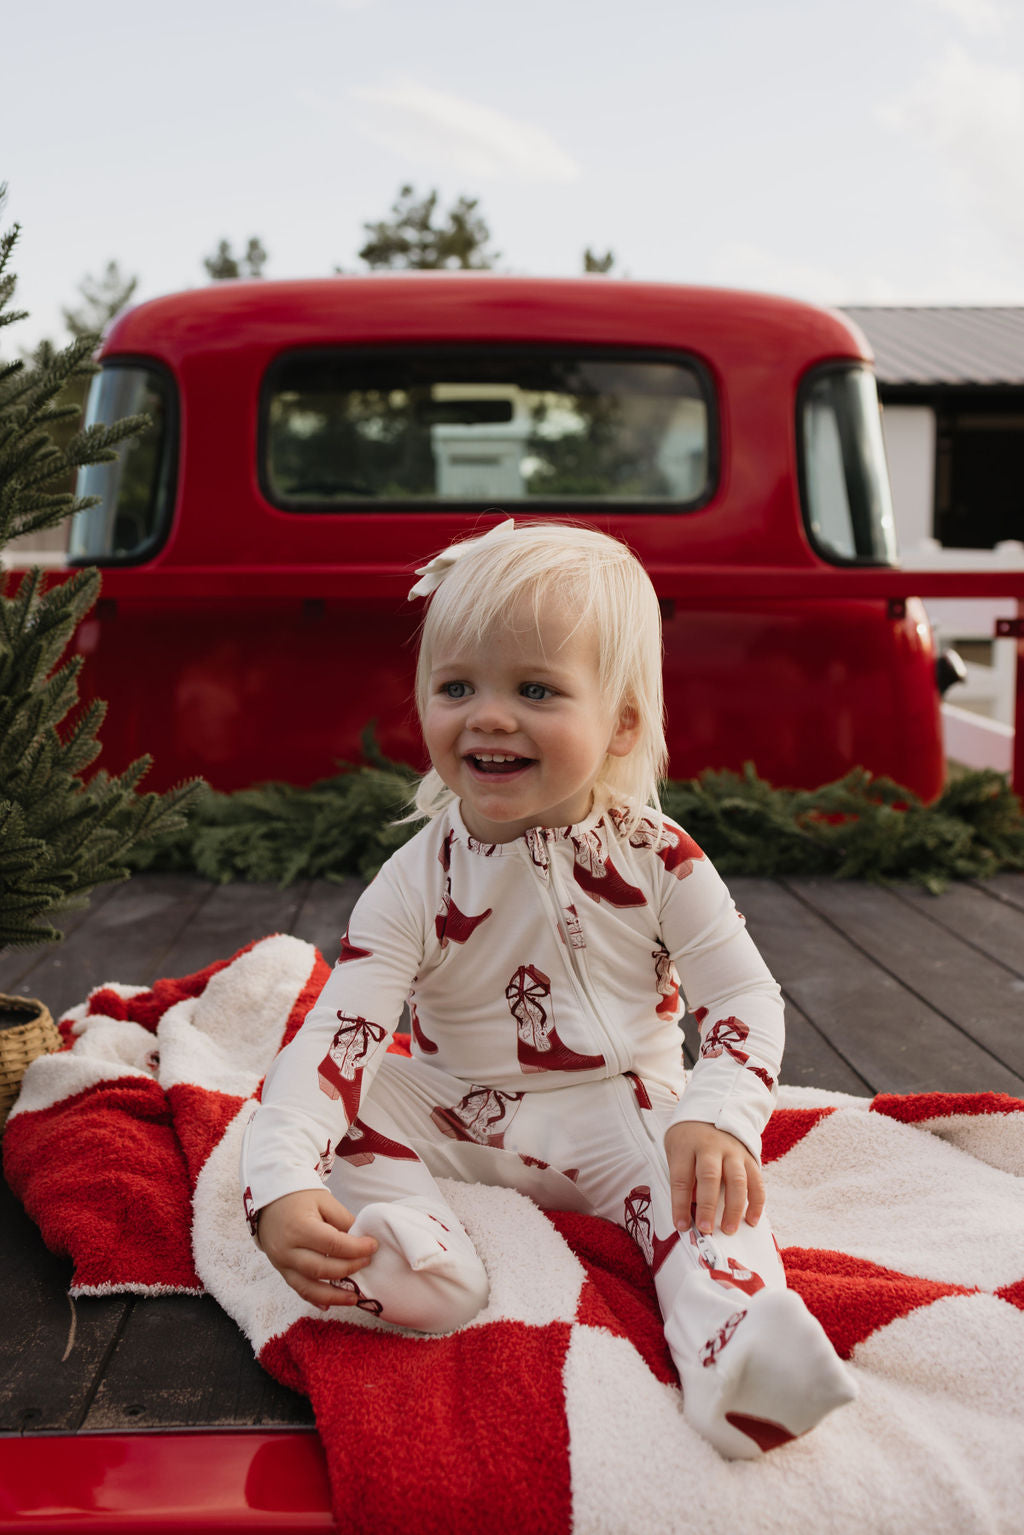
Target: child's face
518, 728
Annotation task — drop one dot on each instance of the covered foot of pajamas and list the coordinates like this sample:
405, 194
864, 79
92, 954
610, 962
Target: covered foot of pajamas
425, 1273
764, 1372
756, 1367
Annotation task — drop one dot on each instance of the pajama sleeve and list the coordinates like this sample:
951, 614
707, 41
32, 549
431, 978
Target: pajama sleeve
730, 993
314, 1087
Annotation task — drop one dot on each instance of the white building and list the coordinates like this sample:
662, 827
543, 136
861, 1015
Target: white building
951, 381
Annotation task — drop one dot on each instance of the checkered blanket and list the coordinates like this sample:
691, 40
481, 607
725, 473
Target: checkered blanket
901, 1222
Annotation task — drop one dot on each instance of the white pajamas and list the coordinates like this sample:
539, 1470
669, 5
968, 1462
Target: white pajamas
543, 978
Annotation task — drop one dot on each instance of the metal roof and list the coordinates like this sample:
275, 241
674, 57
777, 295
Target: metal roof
946, 346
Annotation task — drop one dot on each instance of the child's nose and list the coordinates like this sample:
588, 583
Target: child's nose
491, 712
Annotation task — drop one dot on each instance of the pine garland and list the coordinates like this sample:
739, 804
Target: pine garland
859, 827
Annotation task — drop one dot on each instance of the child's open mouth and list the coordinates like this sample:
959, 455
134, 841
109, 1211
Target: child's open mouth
497, 763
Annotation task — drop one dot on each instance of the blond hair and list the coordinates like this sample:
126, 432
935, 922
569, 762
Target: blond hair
589, 577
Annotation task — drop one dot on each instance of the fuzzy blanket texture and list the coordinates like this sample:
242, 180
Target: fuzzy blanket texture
900, 1219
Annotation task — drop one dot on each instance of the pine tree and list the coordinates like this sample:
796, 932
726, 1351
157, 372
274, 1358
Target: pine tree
60, 835
411, 241
592, 262
102, 298
224, 264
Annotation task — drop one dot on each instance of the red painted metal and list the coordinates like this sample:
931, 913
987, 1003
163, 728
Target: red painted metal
257, 643
212, 1482
1017, 635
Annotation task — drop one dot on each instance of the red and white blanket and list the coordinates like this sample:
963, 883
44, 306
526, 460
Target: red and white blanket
901, 1222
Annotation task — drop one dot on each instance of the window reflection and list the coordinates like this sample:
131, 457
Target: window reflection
484, 426
847, 502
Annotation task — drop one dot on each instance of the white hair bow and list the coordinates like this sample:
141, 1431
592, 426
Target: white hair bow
434, 572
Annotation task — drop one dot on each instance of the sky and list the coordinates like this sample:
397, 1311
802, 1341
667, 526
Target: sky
842, 151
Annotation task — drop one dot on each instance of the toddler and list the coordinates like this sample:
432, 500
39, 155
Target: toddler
544, 927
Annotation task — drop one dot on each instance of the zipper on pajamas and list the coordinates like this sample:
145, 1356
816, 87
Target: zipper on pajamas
611, 1051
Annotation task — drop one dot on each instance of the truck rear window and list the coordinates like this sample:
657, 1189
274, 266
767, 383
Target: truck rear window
485, 424
135, 492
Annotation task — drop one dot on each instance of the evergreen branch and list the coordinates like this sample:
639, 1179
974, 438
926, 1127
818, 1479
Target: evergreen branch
856, 828
60, 835
96, 444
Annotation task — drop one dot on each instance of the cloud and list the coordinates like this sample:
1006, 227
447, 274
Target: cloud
970, 115
978, 17
431, 126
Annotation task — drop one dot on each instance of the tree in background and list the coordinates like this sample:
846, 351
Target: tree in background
59, 835
103, 298
595, 263
410, 240
224, 264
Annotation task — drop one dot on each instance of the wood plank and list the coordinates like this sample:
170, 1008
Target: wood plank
323, 916
41, 1390
232, 916
124, 938
891, 1038
1005, 887
181, 1362
810, 1059
980, 997
994, 927
18, 965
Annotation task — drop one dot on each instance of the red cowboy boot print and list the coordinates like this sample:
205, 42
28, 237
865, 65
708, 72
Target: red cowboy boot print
438, 1222
667, 983
598, 876
572, 1173
676, 849
538, 1046
640, 1092
726, 1035
364, 1302
537, 847
426, 1045
350, 951
482, 1116
362, 1144
325, 1162
708, 1355
341, 1070
731, 1273
639, 1222
451, 925
573, 929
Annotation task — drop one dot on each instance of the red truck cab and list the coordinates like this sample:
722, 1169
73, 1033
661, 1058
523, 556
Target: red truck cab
315, 441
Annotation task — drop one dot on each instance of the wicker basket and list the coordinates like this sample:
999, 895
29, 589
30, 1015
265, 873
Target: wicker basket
20, 1043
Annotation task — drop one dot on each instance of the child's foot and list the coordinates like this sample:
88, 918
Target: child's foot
425, 1273
767, 1373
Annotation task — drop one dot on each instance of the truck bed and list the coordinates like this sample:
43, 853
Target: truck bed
887, 991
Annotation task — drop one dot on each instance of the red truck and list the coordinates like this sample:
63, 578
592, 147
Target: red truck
314, 441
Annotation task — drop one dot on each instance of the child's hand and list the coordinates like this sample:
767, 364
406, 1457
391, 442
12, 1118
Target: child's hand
701, 1160
304, 1236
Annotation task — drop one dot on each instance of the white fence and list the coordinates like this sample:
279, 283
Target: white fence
990, 689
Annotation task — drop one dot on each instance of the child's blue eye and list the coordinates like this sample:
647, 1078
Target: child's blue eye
535, 691
455, 689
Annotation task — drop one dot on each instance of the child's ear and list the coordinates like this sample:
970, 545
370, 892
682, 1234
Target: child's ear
626, 732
